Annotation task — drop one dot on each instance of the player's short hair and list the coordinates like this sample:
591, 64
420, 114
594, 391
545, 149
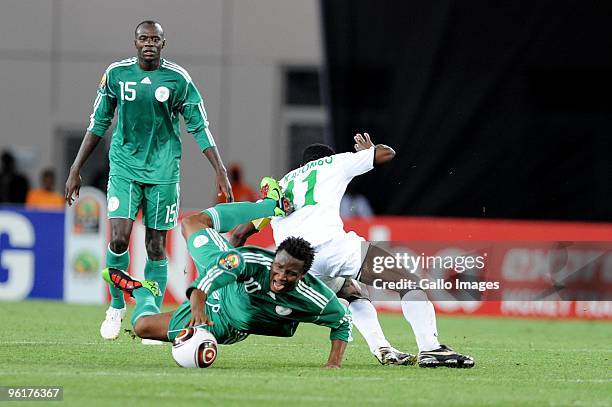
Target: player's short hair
298, 248
316, 151
148, 22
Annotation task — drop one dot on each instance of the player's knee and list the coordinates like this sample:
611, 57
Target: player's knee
143, 328
140, 328
352, 291
413, 295
187, 225
119, 245
192, 223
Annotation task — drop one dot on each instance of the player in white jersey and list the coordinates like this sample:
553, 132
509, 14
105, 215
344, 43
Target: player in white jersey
316, 189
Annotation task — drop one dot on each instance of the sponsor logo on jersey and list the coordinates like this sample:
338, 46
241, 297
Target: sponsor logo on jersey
146, 80
113, 203
231, 261
200, 241
284, 311
162, 94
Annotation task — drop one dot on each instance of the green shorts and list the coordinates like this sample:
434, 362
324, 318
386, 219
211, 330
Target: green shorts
207, 248
221, 330
159, 203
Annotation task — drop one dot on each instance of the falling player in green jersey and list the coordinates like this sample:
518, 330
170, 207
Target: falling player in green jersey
242, 291
148, 93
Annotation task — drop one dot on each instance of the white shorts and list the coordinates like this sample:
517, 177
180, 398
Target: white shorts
338, 259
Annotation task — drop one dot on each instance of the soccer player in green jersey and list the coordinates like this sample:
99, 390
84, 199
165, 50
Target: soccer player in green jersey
148, 93
242, 291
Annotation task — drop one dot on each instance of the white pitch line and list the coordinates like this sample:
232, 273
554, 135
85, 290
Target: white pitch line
589, 350
48, 343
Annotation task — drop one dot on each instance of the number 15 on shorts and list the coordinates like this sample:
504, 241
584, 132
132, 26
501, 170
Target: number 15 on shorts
171, 213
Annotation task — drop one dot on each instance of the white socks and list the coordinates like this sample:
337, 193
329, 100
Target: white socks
365, 319
420, 313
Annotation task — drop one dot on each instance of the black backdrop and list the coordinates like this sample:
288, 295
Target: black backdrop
497, 109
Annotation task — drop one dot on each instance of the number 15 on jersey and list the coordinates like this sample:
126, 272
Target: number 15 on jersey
127, 90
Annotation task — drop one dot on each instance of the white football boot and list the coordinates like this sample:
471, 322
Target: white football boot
111, 326
388, 355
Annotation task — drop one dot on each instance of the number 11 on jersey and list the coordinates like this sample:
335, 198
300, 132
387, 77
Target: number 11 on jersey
311, 181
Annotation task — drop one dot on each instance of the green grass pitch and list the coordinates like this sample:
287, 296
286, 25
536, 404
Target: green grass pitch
518, 362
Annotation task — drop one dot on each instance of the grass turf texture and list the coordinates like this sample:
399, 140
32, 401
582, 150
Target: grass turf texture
518, 362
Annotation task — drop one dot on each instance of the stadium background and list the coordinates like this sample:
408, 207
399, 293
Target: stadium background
499, 112
512, 124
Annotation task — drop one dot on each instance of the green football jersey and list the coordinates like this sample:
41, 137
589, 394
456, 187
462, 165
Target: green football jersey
146, 143
239, 288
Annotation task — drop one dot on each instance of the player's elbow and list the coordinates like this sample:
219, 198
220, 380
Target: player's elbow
383, 154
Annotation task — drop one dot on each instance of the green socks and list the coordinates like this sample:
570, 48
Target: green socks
119, 262
157, 270
227, 216
145, 304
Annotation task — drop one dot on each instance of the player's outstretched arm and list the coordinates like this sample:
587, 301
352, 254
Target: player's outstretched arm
334, 361
338, 318
223, 184
73, 183
382, 153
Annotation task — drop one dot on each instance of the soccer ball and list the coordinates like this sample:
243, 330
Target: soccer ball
194, 347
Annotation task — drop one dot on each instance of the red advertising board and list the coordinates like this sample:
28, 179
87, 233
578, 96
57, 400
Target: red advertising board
521, 245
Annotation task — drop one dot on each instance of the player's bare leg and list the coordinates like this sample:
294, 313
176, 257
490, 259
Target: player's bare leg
365, 319
117, 257
419, 312
153, 327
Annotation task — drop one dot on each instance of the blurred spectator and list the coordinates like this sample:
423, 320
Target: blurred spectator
13, 186
242, 191
45, 197
354, 205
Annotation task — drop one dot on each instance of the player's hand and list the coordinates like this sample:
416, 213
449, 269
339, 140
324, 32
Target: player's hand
73, 187
362, 142
224, 187
198, 319
197, 301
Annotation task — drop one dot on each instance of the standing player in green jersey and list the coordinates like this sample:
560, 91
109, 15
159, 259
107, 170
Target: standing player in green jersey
242, 291
148, 93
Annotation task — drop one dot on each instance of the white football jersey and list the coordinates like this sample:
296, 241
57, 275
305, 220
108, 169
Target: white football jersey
316, 189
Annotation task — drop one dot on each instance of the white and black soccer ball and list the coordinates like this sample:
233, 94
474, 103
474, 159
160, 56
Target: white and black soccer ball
194, 347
